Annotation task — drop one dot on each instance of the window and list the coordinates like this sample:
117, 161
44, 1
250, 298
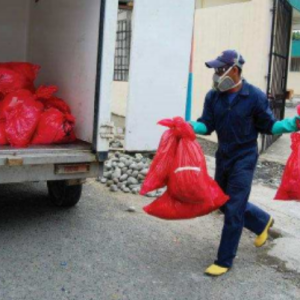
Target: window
123, 45
295, 64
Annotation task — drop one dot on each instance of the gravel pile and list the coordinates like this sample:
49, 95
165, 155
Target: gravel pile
126, 173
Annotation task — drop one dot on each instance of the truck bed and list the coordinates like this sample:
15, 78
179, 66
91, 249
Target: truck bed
76, 152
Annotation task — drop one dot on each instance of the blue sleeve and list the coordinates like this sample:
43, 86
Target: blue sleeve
208, 115
263, 116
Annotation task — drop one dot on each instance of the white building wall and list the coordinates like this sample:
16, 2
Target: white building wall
244, 26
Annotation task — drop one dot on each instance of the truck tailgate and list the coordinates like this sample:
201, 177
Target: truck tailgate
51, 154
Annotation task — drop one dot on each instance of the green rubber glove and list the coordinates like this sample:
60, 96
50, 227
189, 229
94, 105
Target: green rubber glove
199, 128
285, 126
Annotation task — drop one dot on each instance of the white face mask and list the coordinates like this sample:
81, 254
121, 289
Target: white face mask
224, 83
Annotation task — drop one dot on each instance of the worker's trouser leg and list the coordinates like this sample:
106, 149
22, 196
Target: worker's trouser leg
236, 182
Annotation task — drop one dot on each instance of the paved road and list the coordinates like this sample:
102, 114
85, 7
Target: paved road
98, 250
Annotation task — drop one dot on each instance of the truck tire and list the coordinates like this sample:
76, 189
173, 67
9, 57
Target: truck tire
63, 195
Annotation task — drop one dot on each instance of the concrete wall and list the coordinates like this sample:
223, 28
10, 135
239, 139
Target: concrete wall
294, 83
120, 88
161, 48
119, 98
14, 16
245, 27
210, 3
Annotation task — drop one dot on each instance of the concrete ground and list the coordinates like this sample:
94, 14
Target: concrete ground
98, 250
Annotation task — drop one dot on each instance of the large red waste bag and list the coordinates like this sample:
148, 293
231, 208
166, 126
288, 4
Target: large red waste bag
55, 102
12, 99
169, 208
191, 192
290, 184
3, 140
22, 117
159, 172
45, 95
15, 76
189, 180
54, 127
46, 92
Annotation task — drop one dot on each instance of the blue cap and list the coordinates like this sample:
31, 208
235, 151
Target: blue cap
227, 58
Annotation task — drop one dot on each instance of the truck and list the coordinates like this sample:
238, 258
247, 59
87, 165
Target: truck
73, 41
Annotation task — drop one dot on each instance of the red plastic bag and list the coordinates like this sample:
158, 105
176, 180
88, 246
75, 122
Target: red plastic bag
11, 99
45, 95
169, 208
46, 92
15, 76
191, 191
3, 140
290, 184
22, 117
159, 172
55, 102
54, 127
189, 180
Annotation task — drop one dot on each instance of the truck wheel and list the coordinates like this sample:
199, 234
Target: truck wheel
64, 195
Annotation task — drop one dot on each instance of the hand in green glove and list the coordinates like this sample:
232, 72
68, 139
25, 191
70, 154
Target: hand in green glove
286, 126
199, 128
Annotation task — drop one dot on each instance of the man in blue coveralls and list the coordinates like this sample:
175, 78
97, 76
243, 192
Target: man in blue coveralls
237, 111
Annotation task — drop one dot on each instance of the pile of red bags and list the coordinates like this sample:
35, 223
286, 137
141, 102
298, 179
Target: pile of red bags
290, 184
29, 115
180, 165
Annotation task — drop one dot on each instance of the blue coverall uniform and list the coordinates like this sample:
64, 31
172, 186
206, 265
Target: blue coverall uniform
237, 125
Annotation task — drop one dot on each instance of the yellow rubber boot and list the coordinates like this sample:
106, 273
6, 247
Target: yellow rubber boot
215, 270
262, 238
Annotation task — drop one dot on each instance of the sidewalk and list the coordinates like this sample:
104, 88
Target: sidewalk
286, 232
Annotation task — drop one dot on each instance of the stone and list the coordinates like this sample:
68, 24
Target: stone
103, 180
107, 175
140, 166
116, 180
129, 172
121, 165
123, 159
131, 209
120, 184
116, 174
124, 177
109, 183
113, 188
144, 172
135, 174
134, 186
132, 180
139, 156
128, 163
114, 164
151, 194
108, 165
124, 170
159, 193
126, 190
141, 177
133, 166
